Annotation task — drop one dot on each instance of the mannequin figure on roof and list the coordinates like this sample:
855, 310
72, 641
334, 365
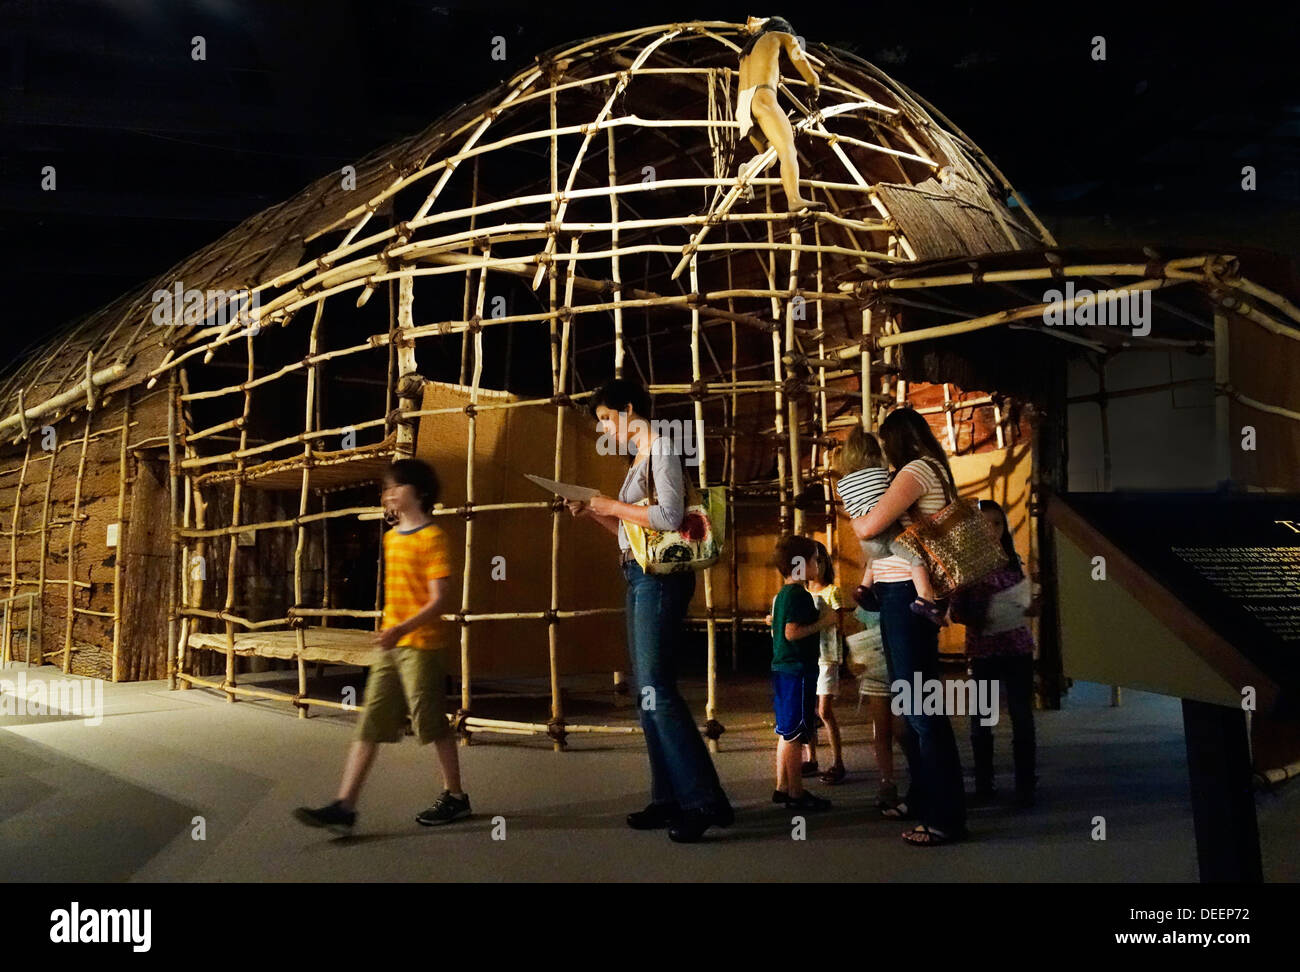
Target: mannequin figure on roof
759, 76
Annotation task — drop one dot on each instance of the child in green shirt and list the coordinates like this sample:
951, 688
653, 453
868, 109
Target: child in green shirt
796, 648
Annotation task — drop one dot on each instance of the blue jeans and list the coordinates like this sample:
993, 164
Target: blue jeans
681, 771
938, 795
1017, 674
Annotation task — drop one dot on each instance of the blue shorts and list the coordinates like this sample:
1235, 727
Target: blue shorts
794, 701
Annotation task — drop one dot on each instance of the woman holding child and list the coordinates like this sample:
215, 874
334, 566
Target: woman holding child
685, 795
909, 622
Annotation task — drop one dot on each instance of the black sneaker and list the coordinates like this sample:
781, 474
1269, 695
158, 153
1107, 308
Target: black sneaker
333, 817
444, 810
807, 801
656, 816
692, 824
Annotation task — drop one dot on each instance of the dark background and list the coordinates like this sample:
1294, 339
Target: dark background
157, 154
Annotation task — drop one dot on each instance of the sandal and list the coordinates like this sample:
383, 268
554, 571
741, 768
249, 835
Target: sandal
833, 775
930, 611
899, 811
923, 836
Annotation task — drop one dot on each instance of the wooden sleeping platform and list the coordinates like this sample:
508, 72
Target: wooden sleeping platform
339, 646
333, 646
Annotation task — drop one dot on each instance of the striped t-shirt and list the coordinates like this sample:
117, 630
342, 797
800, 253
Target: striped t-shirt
860, 489
892, 569
411, 561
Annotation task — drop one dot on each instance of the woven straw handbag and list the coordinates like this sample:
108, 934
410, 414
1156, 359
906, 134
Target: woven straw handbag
956, 545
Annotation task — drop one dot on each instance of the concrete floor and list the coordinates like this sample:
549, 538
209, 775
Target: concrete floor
118, 801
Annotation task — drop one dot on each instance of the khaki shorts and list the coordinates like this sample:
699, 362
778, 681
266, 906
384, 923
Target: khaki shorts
405, 680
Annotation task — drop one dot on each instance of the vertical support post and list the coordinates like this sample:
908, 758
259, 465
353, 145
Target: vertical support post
732, 544
792, 402
1223, 802
172, 472
615, 270
195, 514
15, 523
390, 381
469, 276
947, 417
711, 680
868, 394
73, 521
406, 363
304, 495
121, 542
560, 382
45, 548
820, 461
471, 449
235, 515
779, 421
558, 358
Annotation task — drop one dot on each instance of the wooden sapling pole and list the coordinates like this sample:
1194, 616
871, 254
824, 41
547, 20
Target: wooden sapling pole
556, 727
620, 682
45, 538
304, 494
779, 420
122, 462
325, 565
711, 703
821, 453
469, 278
471, 450
406, 365
324, 505
734, 551
615, 270
590, 130
195, 514
792, 403
235, 519
868, 391
947, 417
173, 472
13, 553
74, 519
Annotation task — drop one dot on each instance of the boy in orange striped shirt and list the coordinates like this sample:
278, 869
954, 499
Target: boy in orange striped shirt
409, 675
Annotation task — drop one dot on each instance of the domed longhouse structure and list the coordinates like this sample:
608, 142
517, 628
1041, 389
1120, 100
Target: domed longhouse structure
189, 477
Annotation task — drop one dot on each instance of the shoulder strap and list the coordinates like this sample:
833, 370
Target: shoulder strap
949, 489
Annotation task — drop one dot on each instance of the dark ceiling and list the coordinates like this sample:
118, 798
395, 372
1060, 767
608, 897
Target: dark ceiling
157, 154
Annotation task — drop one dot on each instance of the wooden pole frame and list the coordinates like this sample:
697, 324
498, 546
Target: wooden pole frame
494, 233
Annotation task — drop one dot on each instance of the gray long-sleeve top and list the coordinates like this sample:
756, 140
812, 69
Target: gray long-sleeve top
670, 489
